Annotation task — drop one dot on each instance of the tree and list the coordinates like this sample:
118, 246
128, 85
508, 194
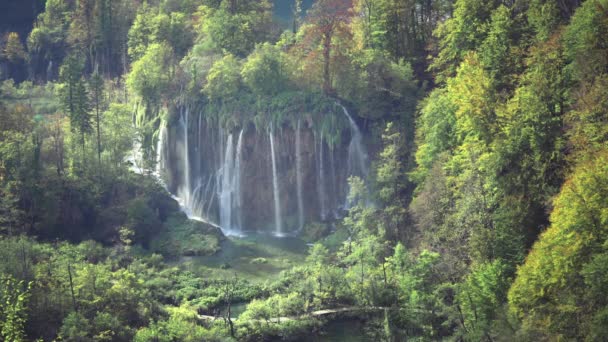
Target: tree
236, 26
140, 33
48, 40
13, 50
14, 298
81, 33
97, 94
150, 78
462, 33
75, 98
263, 71
480, 298
392, 182
223, 79
549, 292
327, 17
435, 133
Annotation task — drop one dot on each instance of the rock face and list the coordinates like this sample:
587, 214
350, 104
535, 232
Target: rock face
226, 176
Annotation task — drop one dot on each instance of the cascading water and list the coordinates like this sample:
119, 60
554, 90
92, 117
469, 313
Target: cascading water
275, 188
225, 189
185, 191
357, 156
334, 181
299, 176
160, 149
238, 199
222, 176
321, 190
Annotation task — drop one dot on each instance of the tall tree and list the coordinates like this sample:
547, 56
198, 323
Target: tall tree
97, 93
328, 17
75, 97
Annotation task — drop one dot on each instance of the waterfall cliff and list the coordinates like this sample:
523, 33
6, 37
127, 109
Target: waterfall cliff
249, 179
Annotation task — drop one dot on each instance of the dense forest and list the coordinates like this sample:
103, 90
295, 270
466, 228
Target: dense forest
327, 170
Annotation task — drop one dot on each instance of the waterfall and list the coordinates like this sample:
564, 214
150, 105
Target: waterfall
334, 182
186, 190
49, 71
275, 188
160, 149
321, 181
228, 185
357, 156
299, 177
211, 169
225, 189
238, 200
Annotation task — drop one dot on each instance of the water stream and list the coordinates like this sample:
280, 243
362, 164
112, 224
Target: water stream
275, 186
299, 180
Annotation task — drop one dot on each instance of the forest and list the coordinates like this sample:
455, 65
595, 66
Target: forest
303, 170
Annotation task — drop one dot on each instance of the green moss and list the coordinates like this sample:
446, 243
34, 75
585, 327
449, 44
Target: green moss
315, 231
284, 109
184, 237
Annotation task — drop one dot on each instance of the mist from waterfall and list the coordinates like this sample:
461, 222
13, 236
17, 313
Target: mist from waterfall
275, 187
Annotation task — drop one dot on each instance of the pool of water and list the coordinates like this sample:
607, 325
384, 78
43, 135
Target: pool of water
256, 257
342, 330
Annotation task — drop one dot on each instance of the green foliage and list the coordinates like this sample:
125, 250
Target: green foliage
235, 30
75, 95
48, 37
463, 32
14, 51
14, 298
187, 237
224, 79
480, 295
151, 27
436, 131
543, 17
585, 46
522, 91
391, 181
263, 71
140, 33
150, 77
548, 292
